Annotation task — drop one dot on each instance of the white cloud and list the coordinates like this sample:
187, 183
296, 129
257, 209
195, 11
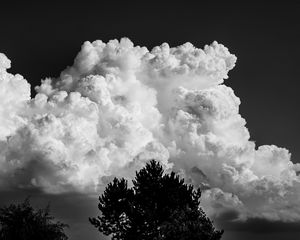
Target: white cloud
14, 92
120, 105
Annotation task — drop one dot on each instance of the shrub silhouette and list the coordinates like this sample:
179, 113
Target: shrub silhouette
158, 207
23, 222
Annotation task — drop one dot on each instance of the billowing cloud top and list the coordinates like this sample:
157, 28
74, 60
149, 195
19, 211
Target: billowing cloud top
120, 105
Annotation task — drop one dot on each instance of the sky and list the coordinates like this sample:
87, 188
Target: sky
42, 39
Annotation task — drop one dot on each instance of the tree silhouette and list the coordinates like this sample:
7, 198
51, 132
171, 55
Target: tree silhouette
189, 224
23, 222
158, 207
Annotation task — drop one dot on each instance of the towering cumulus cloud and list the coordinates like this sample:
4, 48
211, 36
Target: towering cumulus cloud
119, 106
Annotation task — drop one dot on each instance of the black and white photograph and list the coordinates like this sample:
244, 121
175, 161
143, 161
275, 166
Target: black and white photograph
149, 120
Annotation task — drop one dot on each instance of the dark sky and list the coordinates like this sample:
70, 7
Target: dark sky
41, 39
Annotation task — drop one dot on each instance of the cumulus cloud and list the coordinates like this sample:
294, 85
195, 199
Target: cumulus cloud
120, 105
14, 92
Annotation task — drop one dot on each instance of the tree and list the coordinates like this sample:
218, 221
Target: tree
158, 207
189, 224
23, 222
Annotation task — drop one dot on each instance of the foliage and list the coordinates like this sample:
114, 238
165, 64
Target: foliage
23, 222
189, 224
158, 207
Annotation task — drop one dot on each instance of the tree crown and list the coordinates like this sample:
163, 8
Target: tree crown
23, 222
150, 208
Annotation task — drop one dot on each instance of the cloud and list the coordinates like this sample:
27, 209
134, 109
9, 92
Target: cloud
14, 92
120, 105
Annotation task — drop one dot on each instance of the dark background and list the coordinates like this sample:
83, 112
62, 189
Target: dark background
42, 38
